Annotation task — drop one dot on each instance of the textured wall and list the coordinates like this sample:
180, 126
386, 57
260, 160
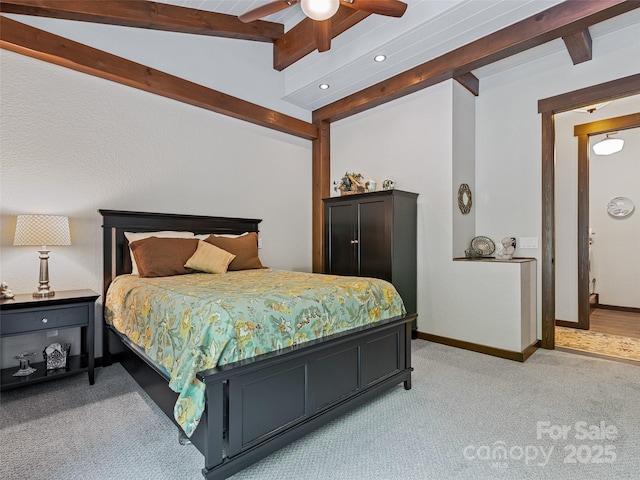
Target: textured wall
72, 143
240, 68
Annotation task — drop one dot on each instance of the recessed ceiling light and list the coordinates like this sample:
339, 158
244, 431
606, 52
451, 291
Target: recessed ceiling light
380, 58
323, 86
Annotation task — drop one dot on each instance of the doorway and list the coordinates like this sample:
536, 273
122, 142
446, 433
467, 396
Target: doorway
609, 326
549, 107
585, 132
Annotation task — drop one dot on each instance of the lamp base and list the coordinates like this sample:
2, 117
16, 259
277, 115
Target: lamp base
43, 284
43, 294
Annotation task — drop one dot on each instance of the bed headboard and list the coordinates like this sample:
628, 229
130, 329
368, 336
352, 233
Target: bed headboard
116, 258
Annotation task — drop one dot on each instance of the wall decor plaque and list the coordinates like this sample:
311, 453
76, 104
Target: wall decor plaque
464, 198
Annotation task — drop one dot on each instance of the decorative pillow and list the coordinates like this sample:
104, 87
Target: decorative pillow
244, 247
209, 258
133, 236
162, 257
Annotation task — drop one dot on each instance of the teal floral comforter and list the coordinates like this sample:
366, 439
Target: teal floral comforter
189, 323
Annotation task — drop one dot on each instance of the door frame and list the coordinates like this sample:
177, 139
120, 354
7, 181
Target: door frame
548, 108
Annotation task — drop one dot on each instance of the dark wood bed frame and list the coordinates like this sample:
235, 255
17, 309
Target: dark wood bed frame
257, 406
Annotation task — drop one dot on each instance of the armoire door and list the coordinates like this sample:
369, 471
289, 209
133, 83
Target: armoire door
341, 236
374, 238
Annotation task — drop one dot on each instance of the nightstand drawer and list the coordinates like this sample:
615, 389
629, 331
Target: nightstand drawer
43, 319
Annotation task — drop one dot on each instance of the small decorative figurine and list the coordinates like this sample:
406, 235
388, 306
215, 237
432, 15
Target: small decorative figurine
508, 249
5, 292
388, 184
370, 185
350, 183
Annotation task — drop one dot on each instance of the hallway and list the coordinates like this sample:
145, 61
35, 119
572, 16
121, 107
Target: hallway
613, 333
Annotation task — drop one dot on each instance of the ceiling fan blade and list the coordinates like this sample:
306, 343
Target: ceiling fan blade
322, 32
266, 9
390, 8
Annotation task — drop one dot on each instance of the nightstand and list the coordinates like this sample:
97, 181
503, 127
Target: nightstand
26, 314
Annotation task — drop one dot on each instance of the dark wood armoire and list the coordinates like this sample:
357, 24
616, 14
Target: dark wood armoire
374, 235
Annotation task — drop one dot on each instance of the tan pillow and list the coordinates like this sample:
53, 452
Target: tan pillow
209, 258
162, 257
245, 248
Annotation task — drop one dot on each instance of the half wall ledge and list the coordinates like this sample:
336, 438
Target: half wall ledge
503, 320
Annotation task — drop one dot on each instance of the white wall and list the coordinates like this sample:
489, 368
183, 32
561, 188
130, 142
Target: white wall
411, 139
408, 140
616, 241
72, 143
464, 165
508, 138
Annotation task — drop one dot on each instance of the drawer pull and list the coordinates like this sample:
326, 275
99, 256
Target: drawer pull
44, 320
353, 242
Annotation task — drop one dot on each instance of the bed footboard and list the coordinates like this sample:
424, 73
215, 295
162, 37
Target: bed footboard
258, 406
274, 401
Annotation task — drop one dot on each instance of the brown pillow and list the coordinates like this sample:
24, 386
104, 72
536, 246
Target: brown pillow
244, 247
162, 257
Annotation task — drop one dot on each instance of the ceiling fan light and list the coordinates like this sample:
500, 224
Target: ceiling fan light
320, 9
608, 146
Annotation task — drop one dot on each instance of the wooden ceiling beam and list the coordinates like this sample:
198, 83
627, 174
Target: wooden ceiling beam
579, 46
562, 20
300, 40
470, 82
150, 15
23, 39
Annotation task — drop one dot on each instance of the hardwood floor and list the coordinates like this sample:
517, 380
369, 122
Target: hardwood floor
615, 322
613, 334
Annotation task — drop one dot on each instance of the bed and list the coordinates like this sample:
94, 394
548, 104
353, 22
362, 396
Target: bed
257, 405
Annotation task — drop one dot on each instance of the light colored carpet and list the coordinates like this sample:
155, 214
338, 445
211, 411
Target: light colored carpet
599, 343
462, 407
67, 429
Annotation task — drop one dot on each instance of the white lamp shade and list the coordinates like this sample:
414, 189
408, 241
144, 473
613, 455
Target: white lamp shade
42, 230
608, 146
320, 9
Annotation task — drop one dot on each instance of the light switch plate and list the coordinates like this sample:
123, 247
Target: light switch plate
528, 242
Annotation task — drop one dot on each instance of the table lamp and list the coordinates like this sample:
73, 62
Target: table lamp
43, 231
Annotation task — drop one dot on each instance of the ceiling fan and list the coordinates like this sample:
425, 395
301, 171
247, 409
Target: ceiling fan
321, 12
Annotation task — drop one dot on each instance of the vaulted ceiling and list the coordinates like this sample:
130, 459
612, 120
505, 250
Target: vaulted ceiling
429, 29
